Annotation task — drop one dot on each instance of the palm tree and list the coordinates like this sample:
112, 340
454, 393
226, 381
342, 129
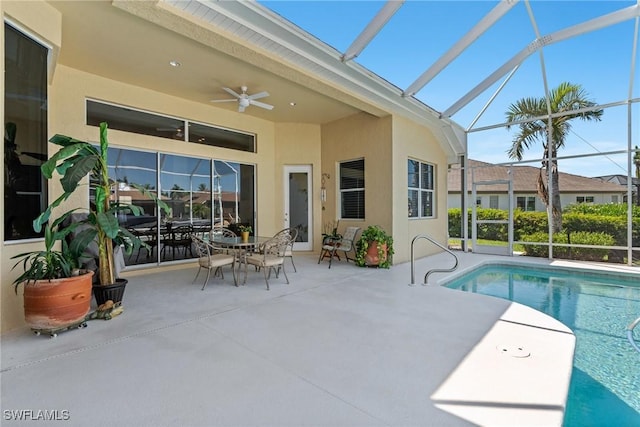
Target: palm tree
565, 98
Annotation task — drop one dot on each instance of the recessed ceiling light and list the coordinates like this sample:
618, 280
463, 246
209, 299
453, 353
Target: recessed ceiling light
174, 63
292, 103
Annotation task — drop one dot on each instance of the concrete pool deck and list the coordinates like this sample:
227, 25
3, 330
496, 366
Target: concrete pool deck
342, 346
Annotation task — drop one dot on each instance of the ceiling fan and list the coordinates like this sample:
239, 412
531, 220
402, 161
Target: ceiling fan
244, 99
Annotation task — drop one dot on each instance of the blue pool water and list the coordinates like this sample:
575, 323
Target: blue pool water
605, 384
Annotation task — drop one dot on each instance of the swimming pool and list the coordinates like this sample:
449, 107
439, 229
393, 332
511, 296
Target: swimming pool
605, 382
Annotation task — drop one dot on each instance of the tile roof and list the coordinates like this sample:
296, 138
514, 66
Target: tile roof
524, 180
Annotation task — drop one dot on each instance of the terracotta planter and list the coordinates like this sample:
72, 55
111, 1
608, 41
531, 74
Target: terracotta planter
371, 258
57, 303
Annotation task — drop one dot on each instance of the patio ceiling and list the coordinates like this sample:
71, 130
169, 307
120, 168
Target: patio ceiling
233, 44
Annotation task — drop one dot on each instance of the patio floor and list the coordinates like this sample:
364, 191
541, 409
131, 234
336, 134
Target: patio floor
343, 346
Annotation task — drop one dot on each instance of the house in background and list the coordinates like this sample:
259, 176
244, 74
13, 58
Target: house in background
622, 180
323, 140
494, 194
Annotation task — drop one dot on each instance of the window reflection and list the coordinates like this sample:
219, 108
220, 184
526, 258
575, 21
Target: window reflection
25, 133
198, 191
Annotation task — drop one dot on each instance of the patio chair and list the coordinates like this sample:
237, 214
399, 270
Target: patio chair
211, 259
292, 234
345, 245
178, 238
270, 258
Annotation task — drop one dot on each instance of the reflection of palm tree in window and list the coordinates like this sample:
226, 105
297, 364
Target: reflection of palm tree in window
202, 187
201, 211
176, 192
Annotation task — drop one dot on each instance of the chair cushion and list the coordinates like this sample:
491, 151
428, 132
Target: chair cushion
217, 260
264, 261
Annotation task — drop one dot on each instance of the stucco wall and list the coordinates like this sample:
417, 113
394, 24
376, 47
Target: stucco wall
67, 95
298, 144
412, 141
355, 137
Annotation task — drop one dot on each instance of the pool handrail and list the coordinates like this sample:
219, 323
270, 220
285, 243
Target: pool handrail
433, 270
630, 328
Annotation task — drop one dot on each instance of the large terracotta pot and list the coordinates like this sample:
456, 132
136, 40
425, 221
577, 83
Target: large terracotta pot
57, 303
371, 258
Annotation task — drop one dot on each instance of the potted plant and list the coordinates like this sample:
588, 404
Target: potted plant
73, 162
244, 232
374, 248
330, 232
57, 294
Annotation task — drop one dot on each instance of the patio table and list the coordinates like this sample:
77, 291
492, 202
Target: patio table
242, 247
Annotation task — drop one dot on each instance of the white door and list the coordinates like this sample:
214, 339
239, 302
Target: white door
298, 204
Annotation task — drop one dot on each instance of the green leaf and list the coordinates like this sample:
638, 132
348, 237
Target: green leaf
108, 223
77, 172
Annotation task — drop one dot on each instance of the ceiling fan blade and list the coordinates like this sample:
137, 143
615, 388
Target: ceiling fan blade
231, 91
261, 104
259, 95
224, 100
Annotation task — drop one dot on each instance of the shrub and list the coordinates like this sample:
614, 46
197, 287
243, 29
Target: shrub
570, 252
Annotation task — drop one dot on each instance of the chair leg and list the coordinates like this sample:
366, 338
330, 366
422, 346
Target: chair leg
197, 274
294, 266
285, 272
207, 279
322, 252
333, 252
233, 269
264, 271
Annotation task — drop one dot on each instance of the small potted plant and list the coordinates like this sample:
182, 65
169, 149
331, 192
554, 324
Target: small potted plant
244, 232
374, 248
57, 294
73, 162
330, 232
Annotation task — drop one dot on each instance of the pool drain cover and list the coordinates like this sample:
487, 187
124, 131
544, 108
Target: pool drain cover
514, 350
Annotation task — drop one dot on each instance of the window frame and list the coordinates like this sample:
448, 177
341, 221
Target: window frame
30, 187
527, 200
423, 189
342, 191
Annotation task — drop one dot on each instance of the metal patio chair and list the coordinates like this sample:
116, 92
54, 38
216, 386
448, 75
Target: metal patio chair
345, 245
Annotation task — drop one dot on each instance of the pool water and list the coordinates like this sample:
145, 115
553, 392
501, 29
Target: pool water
605, 383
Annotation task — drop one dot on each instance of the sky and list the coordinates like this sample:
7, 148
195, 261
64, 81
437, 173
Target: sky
422, 31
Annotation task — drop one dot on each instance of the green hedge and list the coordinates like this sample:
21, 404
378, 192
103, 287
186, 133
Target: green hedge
607, 219
572, 252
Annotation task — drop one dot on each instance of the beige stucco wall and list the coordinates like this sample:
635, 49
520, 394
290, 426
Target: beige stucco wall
355, 137
69, 88
411, 140
298, 144
385, 144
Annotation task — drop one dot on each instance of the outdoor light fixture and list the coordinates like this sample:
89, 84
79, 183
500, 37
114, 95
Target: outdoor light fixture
174, 63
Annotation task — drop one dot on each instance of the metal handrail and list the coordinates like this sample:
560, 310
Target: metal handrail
434, 270
630, 328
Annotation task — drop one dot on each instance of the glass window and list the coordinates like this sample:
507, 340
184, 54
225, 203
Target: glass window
146, 123
352, 189
493, 202
197, 191
218, 137
421, 188
526, 203
25, 136
134, 121
584, 199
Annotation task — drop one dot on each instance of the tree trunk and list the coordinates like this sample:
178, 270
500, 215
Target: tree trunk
555, 198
